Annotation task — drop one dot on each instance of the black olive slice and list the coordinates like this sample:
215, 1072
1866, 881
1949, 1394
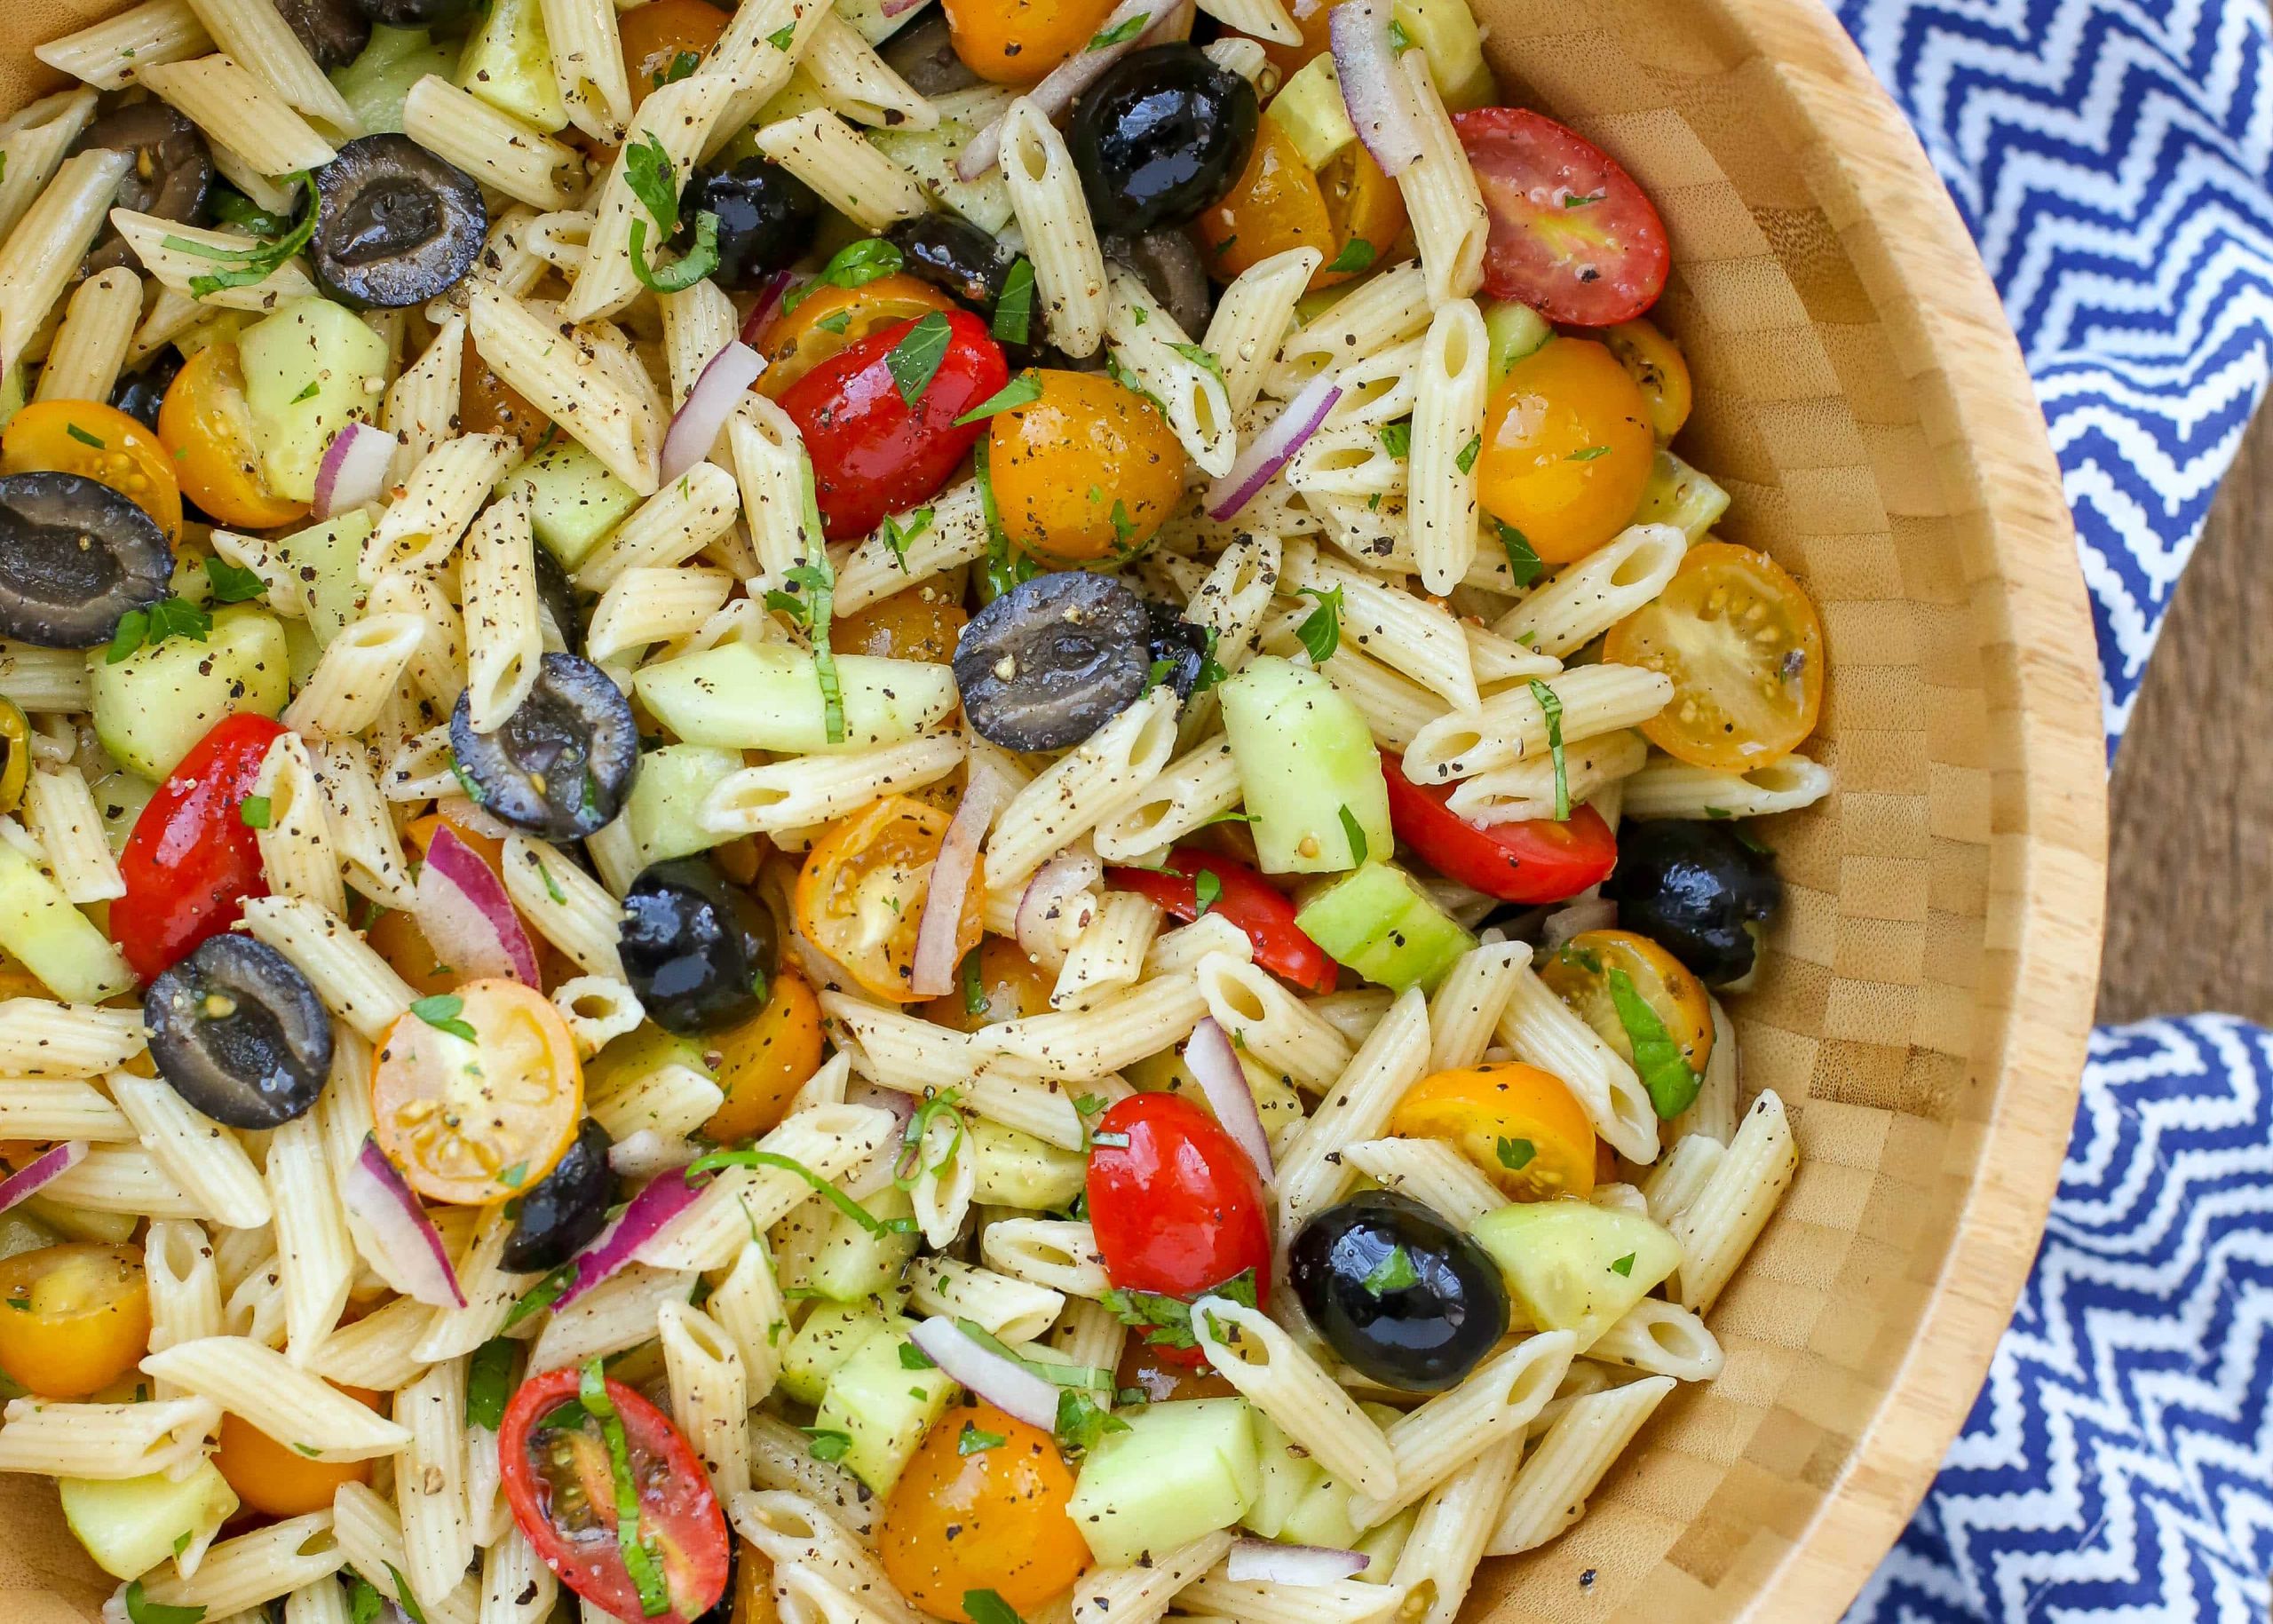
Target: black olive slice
75, 555
1053, 660
924, 54
173, 169
395, 224
1399, 1294
766, 217
238, 1033
1163, 134
1703, 891
1173, 273
953, 256
1179, 648
415, 13
565, 1209
562, 764
558, 594
696, 948
334, 32
140, 394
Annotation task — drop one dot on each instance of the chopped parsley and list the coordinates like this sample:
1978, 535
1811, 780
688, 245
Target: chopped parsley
489, 1381
1357, 255
1394, 1273
1396, 438
1201, 356
1082, 1423
1321, 629
1624, 1266
1581, 203
443, 1012
1552, 705
1207, 890
1672, 1082
828, 1446
783, 37
1127, 29
814, 615
141, 1610
243, 265
169, 617
974, 986
987, 1607
914, 361
682, 63
1020, 391
1167, 1321
253, 811
85, 439
1356, 834
653, 179
1466, 461
856, 265
1587, 454
1014, 310
233, 584
1524, 565
1516, 1154
970, 1440
897, 536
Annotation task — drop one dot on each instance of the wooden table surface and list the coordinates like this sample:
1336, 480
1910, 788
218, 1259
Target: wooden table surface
2190, 924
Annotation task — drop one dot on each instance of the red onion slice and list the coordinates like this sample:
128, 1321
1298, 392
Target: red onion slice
1167, 19
409, 1245
768, 305
1054, 884
465, 916
46, 1166
873, 1174
646, 1153
934, 969
1374, 88
1268, 1562
1262, 458
1208, 1054
639, 1223
899, 8
353, 470
1012, 1389
725, 377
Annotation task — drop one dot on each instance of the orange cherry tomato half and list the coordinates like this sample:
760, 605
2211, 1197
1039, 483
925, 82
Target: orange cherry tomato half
74, 1318
1517, 1122
1089, 469
1367, 213
206, 427
1741, 640
797, 341
860, 896
277, 1478
1581, 973
1567, 449
665, 40
763, 1062
1000, 983
982, 1507
924, 623
1276, 204
1017, 41
486, 403
1659, 370
102, 443
475, 1103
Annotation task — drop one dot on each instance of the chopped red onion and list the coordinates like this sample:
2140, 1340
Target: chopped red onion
726, 378
1009, 1387
646, 1216
410, 1248
899, 8
1268, 1562
1375, 90
1208, 1054
768, 305
353, 470
1262, 458
46, 1166
873, 1174
1167, 19
465, 916
934, 970
1581, 914
1055, 884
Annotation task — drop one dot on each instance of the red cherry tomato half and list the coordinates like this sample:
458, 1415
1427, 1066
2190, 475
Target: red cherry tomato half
560, 1482
873, 454
1572, 235
191, 863
1246, 898
1177, 1209
1539, 861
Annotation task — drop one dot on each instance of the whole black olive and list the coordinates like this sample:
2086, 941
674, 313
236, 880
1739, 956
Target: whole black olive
1163, 134
1703, 891
953, 256
697, 949
334, 32
395, 226
140, 394
562, 764
1179, 648
924, 54
1398, 1292
238, 1033
1053, 660
75, 555
558, 594
564, 1211
173, 170
765, 214
1173, 273
415, 13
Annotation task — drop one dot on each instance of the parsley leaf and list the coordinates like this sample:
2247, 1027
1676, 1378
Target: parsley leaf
1516, 1154
1466, 461
1126, 31
364, 1602
1019, 390
970, 1440
1673, 1084
987, 1607
1201, 355
828, 1446
912, 1358
1207, 890
442, 1012
540, 1296
254, 261
233, 584
682, 63
1581, 203
169, 617
1588, 454
1399, 40
1524, 565
253, 811
641, 1558
783, 37
914, 361
1321, 630
974, 988
1396, 438
897, 536
489, 1378
1356, 834
1355, 255
1165, 1321
143, 1611
701, 260
1014, 311
1550, 703
1624, 1266
856, 265
1082, 1423
1394, 1273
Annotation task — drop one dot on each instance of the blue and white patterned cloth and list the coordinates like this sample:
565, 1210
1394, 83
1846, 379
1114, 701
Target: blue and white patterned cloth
2115, 163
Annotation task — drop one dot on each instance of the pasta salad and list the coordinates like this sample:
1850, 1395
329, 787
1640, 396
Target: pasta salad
856, 812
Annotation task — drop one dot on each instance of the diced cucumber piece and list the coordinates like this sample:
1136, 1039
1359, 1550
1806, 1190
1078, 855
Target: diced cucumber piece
1310, 108
378, 82
1383, 926
120, 796
1288, 1474
641, 1053
1320, 1514
325, 557
507, 63
1183, 1468
1385, 1544
82, 1223
767, 697
1446, 30
573, 500
1514, 330
930, 155
801, 92
1305, 759
1679, 494
885, 1406
1276, 1101
19, 1232
1012, 1168
57, 943
301, 652
152, 706
831, 1334
1573, 1266
843, 1260
309, 368
129, 1526
663, 811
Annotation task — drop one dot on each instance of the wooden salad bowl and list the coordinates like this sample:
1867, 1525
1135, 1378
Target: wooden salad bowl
1924, 1004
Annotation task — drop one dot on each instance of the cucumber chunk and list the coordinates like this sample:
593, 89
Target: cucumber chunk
1383, 926
663, 811
1320, 1514
885, 1406
129, 1526
1305, 756
1309, 106
1289, 1475
740, 697
1679, 494
930, 155
507, 63
309, 368
1276, 1101
831, 1334
152, 706
378, 82
1012, 1168
57, 943
1447, 31
1514, 331
573, 500
839, 1257
1574, 1266
325, 557
1183, 1468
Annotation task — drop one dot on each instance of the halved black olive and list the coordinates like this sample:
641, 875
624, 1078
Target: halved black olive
173, 170
565, 1209
1179, 649
1053, 660
415, 13
238, 1033
696, 948
1163, 134
766, 217
140, 394
1398, 1292
395, 226
1173, 273
953, 256
75, 557
558, 594
563, 761
1703, 891
924, 54
334, 32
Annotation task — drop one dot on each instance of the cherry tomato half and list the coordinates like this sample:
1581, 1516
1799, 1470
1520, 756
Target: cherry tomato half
1276, 204
830, 320
982, 1507
1539, 861
276, 1478
74, 1318
666, 40
1178, 1208
860, 894
1246, 898
1017, 41
1659, 368
874, 453
190, 863
206, 427
1089, 469
486, 403
1572, 235
560, 1483
924, 623
102, 443
1001, 984
1567, 449
765, 1060
1579, 972
1518, 1123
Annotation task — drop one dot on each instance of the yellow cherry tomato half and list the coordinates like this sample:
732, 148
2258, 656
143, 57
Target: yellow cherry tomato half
1567, 449
830, 318
1741, 640
666, 40
1657, 367
923, 623
1517, 1122
859, 895
1001, 984
1017, 41
1276, 204
763, 1062
1086, 470
477, 1093
206, 427
1366, 212
276, 1478
1581, 973
104, 444
982, 1507
74, 1318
